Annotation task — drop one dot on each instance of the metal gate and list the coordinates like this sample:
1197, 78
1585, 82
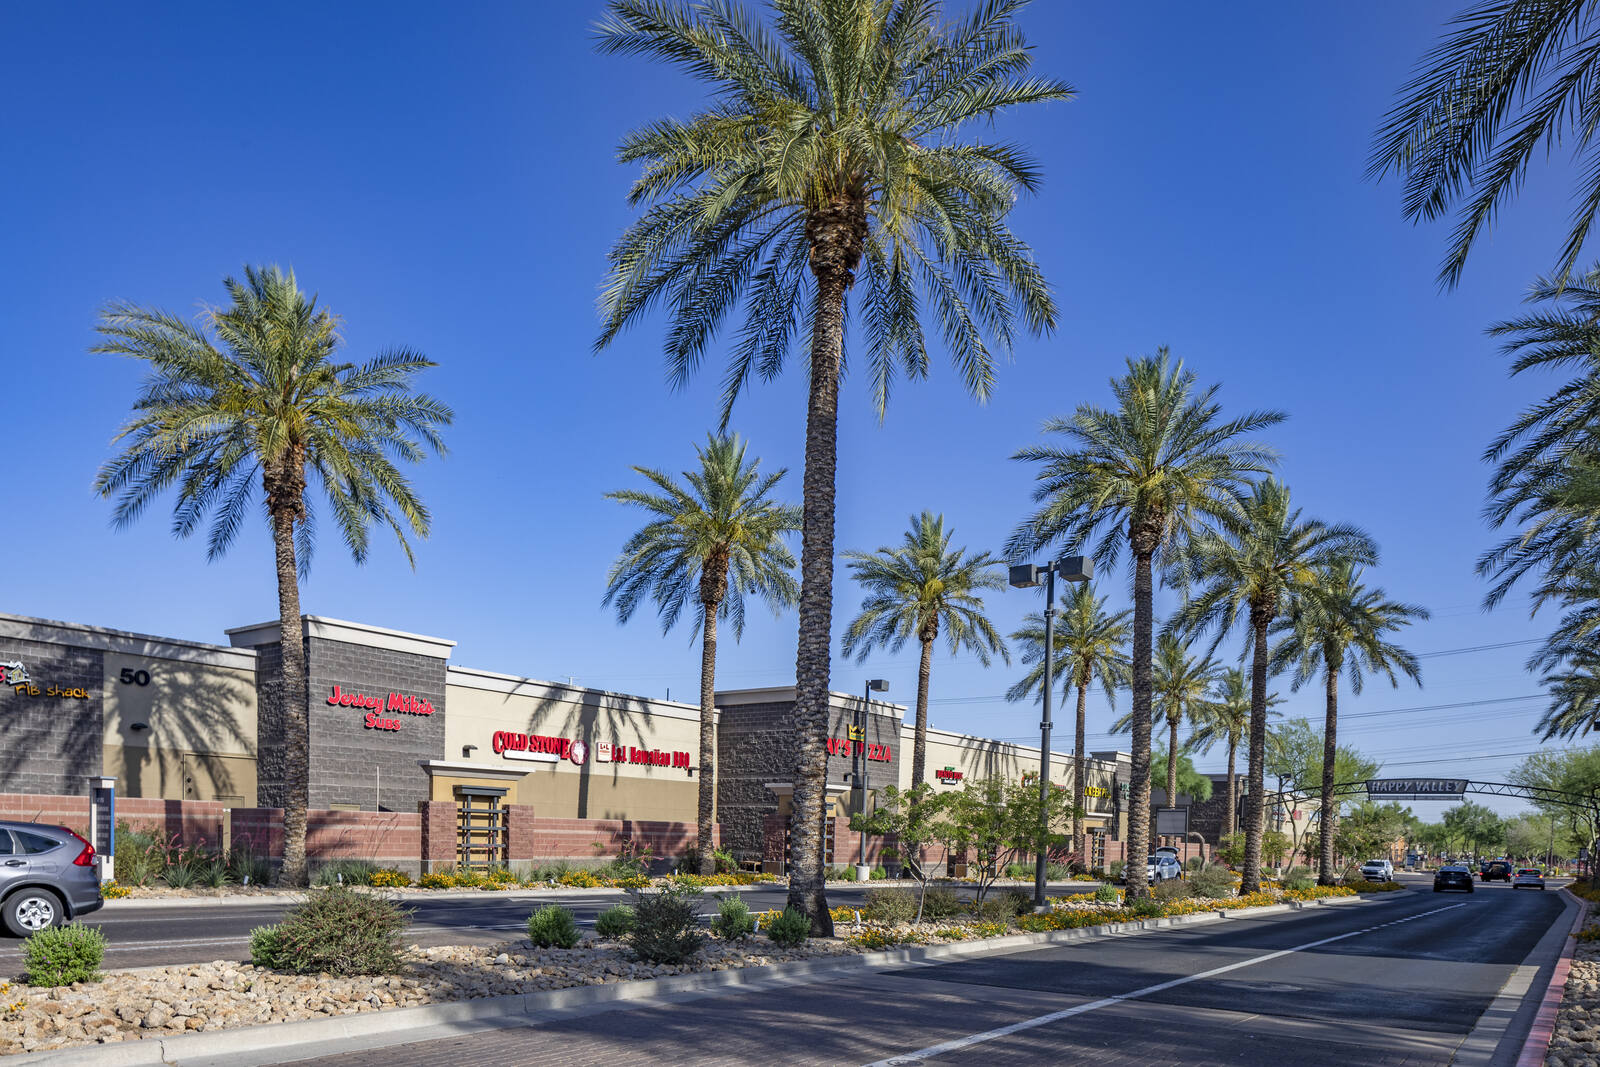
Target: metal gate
481, 834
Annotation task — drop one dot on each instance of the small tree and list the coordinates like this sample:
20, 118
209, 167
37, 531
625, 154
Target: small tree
1368, 830
1000, 821
912, 817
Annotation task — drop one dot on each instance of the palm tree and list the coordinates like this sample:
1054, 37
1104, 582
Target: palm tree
917, 589
716, 539
1335, 625
1180, 686
1089, 648
253, 392
1503, 87
1156, 466
839, 141
1226, 718
1254, 564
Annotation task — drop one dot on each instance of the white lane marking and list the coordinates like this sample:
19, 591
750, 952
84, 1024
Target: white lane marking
1043, 1020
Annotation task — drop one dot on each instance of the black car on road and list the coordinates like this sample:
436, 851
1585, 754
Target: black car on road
1496, 870
1452, 877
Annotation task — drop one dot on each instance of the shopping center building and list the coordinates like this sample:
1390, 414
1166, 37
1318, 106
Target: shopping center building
421, 763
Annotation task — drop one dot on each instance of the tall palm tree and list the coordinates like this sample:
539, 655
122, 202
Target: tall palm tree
916, 589
1504, 86
840, 141
1336, 625
1090, 648
1180, 686
1225, 718
251, 395
716, 538
1156, 466
1254, 564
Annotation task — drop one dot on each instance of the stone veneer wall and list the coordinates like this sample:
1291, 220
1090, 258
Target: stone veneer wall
270, 769
349, 762
51, 744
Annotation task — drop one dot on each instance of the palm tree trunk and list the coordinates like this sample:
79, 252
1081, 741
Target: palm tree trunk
1139, 787
1231, 813
1079, 844
1329, 747
292, 702
919, 737
836, 234
706, 815
1253, 808
1172, 758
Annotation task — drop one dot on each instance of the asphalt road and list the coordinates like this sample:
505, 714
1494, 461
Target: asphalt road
1403, 980
151, 937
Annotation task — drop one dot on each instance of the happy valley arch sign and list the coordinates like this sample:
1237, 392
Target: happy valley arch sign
1416, 788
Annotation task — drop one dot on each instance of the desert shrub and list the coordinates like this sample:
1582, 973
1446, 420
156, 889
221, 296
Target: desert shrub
501, 876
244, 866
213, 872
890, 905
340, 931
941, 903
345, 872
790, 929
437, 880
666, 924
615, 922
1021, 872
141, 855
874, 938
1058, 872
1212, 882
1107, 894
388, 878
879, 874
1147, 908
733, 921
266, 947
113, 891
841, 874
467, 878
553, 926
63, 955
1194, 863
552, 872
1299, 882
1173, 889
579, 879
1115, 868
184, 867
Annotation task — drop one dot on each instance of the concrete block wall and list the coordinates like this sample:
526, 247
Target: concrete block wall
52, 744
754, 746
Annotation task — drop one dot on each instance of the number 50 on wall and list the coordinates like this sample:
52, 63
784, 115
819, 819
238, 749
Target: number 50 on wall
130, 676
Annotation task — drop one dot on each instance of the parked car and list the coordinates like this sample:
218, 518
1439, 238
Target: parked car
47, 876
1378, 871
1454, 876
1529, 876
1495, 871
1162, 868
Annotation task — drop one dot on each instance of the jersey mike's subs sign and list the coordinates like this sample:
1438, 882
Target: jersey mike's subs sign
393, 703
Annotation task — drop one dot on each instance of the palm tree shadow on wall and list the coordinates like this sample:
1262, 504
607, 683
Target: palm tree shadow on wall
593, 716
188, 720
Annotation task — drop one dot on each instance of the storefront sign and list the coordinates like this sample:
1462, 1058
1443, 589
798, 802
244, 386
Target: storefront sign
1095, 791
539, 748
875, 753
1416, 788
948, 776
16, 676
393, 702
607, 752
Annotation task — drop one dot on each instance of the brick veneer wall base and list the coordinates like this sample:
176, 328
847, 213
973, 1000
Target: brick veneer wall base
555, 839
437, 846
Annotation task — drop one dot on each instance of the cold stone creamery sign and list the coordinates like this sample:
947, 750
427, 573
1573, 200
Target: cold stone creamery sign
1416, 788
539, 748
396, 702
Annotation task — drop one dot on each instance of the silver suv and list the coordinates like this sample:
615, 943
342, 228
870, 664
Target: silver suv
47, 876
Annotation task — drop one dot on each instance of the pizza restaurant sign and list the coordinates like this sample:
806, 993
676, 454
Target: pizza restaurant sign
876, 753
394, 703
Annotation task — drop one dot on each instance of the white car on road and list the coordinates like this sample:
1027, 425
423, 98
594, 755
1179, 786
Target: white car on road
1378, 871
1527, 876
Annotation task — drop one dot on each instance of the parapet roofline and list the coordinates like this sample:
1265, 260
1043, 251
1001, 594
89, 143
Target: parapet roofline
974, 741
513, 684
355, 633
126, 642
776, 694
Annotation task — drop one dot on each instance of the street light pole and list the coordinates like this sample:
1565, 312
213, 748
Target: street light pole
1023, 576
858, 769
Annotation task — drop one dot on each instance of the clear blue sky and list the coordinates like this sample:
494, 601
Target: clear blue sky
444, 177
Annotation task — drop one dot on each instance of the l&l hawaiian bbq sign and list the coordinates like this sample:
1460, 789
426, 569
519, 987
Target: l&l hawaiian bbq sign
394, 702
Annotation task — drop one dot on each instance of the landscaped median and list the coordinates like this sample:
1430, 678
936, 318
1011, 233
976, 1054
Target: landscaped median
319, 963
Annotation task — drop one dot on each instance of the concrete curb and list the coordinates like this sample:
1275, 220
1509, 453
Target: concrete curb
519, 1008
1537, 1046
291, 896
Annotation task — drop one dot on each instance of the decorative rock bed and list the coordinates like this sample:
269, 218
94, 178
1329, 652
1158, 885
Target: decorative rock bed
1576, 1042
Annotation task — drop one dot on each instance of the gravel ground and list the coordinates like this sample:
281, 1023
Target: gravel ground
1576, 1042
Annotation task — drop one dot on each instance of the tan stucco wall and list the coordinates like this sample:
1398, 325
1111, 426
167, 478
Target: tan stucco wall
595, 790
978, 758
200, 740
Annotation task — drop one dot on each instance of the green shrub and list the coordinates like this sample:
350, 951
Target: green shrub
340, 931
615, 922
266, 947
841, 874
1021, 872
1114, 870
1147, 908
1107, 894
553, 926
890, 905
1212, 882
941, 902
879, 874
666, 924
1299, 883
388, 878
184, 867
1194, 863
63, 955
214, 872
1058, 872
345, 872
733, 921
244, 866
141, 855
1172, 889
468, 878
790, 929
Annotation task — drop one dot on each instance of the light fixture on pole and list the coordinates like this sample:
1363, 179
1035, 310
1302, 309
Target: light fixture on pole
858, 769
1026, 576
